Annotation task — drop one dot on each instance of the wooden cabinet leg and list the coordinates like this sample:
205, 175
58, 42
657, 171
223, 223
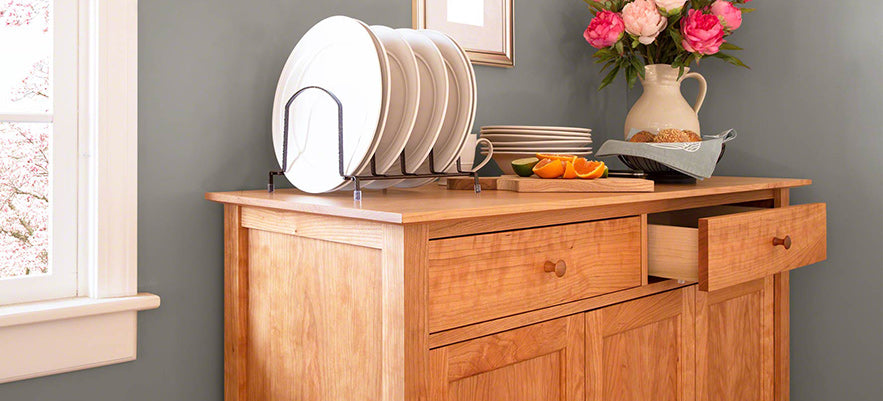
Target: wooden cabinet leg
782, 337
235, 304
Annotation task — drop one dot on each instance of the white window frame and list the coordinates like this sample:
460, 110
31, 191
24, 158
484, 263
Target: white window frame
63, 212
99, 326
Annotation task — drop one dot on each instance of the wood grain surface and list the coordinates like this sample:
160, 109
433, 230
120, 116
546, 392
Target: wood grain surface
236, 319
533, 184
478, 278
642, 349
431, 203
737, 248
316, 312
328, 228
734, 342
544, 361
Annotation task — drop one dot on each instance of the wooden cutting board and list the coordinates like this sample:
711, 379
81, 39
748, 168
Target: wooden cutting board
533, 184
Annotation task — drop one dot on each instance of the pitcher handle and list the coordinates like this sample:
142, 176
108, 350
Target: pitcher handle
703, 87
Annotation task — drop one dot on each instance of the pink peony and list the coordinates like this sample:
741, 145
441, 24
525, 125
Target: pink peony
643, 20
729, 14
604, 30
702, 33
670, 7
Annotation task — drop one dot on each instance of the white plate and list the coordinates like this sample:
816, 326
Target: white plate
341, 55
541, 149
460, 113
533, 128
566, 143
434, 83
403, 100
505, 141
432, 109
531, 137
536, 133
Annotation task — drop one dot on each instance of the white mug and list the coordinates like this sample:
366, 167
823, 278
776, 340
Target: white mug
467, 155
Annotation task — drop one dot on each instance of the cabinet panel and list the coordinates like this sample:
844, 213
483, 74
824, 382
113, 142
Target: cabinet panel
313, 333
544, 361
642, 349
734, 340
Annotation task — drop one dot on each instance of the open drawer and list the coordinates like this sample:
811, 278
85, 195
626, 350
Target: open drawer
727, 245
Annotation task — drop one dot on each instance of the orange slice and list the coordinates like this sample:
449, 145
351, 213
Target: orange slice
589, 169
548, 168
569, 170
553, 156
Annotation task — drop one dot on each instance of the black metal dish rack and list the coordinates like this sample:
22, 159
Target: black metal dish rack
356, 179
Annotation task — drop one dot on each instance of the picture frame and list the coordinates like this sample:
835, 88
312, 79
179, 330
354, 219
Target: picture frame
484, 28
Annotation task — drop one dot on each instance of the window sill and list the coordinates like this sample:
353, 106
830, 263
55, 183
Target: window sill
43, 338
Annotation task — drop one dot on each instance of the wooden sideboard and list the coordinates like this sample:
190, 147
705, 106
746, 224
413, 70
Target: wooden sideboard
429, 294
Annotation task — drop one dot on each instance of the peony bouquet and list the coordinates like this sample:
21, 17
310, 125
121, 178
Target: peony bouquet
632, 33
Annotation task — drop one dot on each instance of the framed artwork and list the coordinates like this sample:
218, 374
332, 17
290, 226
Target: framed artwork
482, 27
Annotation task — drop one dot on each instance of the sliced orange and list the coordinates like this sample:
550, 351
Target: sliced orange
569, 170
553, 156
548, 168
589, 169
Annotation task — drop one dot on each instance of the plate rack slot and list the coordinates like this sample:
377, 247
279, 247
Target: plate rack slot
373, 175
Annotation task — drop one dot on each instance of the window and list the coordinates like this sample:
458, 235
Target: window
38, 150
68, 166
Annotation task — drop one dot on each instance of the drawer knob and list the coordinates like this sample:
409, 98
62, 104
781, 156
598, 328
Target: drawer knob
785, 242
558, 268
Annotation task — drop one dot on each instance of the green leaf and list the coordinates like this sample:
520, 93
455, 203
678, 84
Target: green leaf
636, 64
730, 59
606, 55
677, 38
730, 46
609, 78
747, 10
631, 75
618, 47
609, 63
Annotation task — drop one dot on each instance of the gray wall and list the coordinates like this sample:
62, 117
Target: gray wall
809, 108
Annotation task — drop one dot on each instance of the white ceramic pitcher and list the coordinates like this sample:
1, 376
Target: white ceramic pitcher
662, 105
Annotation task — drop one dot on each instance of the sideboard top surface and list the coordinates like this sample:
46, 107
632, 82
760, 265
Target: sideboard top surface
434, 203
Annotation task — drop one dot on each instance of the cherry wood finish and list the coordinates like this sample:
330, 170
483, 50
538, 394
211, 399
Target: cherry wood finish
734, 342
481, 277
733, 245
330, 299
740, 247
236, 317
533, 184
642, 349
433, 204
544, 361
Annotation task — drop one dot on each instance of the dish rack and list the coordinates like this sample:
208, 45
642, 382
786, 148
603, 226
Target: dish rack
357, 179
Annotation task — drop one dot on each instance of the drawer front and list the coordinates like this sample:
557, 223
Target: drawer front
741, 247
482, 277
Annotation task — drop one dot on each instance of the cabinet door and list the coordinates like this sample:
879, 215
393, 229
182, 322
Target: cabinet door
734, 342
544, 361
642, 350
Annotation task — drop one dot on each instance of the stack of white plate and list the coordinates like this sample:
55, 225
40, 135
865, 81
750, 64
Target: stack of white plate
513, 142
402, 91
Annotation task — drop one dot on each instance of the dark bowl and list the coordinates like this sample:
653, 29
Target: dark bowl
659, 172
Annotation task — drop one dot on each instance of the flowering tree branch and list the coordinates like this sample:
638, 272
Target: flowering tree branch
24, 159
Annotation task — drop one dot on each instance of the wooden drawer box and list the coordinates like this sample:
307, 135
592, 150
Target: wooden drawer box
723, 246
482, 277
